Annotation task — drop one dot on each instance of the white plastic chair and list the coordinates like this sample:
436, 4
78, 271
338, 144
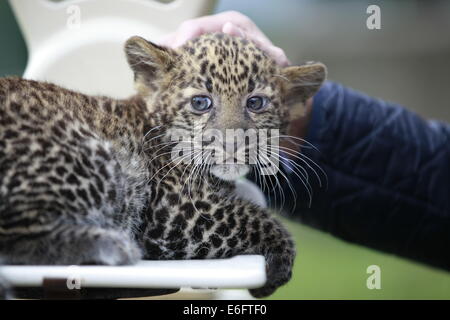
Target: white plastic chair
88, 56
79, 43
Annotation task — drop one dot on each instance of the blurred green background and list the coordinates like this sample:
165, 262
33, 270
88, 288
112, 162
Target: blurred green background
13, 53
407, 61
328, 268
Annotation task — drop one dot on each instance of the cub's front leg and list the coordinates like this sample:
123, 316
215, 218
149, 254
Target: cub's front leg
221, 227
258, 232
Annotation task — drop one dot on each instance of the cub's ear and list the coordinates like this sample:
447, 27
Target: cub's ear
303, 81
148, 60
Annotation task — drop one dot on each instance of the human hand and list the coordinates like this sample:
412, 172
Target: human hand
229, 22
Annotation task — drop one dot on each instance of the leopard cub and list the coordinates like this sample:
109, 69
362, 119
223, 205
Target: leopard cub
95, 180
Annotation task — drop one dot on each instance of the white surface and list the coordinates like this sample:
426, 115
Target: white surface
89, 56
246, 271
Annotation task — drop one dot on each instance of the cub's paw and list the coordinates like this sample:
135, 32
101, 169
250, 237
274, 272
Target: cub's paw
279, 272
113, 248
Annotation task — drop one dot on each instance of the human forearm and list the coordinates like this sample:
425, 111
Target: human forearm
388, 176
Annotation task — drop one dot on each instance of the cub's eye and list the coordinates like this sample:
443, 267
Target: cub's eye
256, 103
201, 103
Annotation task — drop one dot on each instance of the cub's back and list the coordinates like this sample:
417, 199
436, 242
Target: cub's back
40, 103
40, 121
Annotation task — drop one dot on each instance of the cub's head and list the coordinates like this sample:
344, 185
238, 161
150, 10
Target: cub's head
218, 84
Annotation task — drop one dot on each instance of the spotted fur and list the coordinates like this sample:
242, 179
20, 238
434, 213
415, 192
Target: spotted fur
89, 179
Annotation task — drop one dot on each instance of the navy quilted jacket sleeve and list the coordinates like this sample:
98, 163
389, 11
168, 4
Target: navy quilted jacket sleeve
388, 174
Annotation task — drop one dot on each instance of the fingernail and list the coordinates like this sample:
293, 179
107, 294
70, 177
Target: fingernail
232, 29
227, 27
